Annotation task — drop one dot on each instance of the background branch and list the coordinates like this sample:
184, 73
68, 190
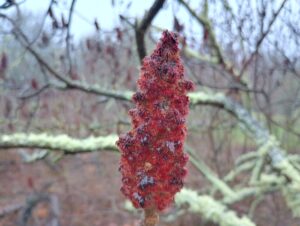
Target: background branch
141, 27
68, 37
210, 209
60, 142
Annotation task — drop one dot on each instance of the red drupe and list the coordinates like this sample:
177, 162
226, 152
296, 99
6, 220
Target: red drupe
152, 157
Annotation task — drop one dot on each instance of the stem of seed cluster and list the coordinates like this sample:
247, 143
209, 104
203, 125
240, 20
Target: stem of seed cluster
151, 217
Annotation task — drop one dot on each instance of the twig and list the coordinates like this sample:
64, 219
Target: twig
40, 29
261, 39
69, 36
203, 20
35, 93
151, 217
209, 174
67, 83
206, 23
142, 27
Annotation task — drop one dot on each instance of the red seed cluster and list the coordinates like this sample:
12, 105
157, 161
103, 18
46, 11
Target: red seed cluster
152, 158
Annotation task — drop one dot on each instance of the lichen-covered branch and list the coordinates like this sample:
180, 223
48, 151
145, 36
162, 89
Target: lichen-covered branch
268, 145
268, 148
210, 175
63, 143
211, 209
260, 135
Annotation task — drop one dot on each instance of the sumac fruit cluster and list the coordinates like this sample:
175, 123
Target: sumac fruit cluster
152, 157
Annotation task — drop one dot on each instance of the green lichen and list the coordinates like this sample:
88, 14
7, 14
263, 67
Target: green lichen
59, 142
211, 209
291, 194
203, 97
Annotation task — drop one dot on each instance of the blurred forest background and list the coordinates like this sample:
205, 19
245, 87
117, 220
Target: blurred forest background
64, 99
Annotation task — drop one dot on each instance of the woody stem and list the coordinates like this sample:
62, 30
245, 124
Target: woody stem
151, 217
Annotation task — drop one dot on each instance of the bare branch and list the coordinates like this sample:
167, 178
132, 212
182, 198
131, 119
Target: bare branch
7, 4
67, 82
142, 27
68, 34
205, 22
210, 175
262, 37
